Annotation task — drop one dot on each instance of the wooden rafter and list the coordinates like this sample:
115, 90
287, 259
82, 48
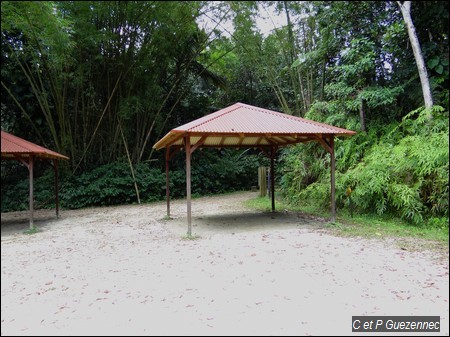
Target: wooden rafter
176, 139
200, 142
324, 142
241, 139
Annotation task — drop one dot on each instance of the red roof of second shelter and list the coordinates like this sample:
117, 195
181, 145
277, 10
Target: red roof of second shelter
229, 127
14, 147
244, 118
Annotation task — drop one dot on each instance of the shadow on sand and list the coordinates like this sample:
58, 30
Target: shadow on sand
19, 222
246, 222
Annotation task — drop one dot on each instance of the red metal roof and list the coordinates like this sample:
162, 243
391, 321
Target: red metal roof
242, 125
14, 148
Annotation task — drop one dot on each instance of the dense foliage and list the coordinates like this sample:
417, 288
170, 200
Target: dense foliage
405, 171
102, 81
113, 184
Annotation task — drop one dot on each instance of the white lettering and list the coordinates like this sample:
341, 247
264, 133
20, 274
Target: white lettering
401, 325
389, 324
379, 323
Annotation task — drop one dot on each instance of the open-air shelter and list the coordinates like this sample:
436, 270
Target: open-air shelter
246, 126
15, 148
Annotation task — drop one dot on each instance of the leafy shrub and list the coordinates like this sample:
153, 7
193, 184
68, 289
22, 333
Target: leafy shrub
15, 186
113, 184
15, 198
404, 173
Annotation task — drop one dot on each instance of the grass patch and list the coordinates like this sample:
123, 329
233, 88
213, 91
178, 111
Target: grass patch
384, 226
32, 230
190, 237
367, 225
265, 204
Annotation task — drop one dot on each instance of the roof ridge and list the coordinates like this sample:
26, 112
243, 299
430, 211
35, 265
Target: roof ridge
292, 117
215, 117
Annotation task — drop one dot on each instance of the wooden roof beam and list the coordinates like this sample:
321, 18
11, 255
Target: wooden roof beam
241, 140
173, 141
200, 142
324, 142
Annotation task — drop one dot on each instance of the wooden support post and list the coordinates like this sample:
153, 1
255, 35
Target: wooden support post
167, 181
272, 176
188, 183
30, 170
55, 167
333, 188
262, 181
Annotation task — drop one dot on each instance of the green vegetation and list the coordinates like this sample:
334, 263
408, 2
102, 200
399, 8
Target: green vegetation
367, 226
375, 226
31, 231
101, 82
265, 204
191, 237
403, 173
112, 184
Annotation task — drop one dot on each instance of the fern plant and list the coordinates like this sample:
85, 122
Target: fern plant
400, 169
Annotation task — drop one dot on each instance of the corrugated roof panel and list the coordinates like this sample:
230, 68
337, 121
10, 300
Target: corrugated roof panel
250, 141
248, 119
243, 120
13, 146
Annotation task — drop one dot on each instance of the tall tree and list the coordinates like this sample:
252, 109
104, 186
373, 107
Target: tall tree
405, 8
104, 78
36, 41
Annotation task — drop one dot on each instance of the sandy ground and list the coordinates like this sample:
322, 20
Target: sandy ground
127, 271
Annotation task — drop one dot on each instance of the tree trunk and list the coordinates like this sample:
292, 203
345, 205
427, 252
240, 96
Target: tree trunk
362, 116
291, 56
406, 12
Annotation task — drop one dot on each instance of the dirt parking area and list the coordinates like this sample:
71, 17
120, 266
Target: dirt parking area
128, 271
